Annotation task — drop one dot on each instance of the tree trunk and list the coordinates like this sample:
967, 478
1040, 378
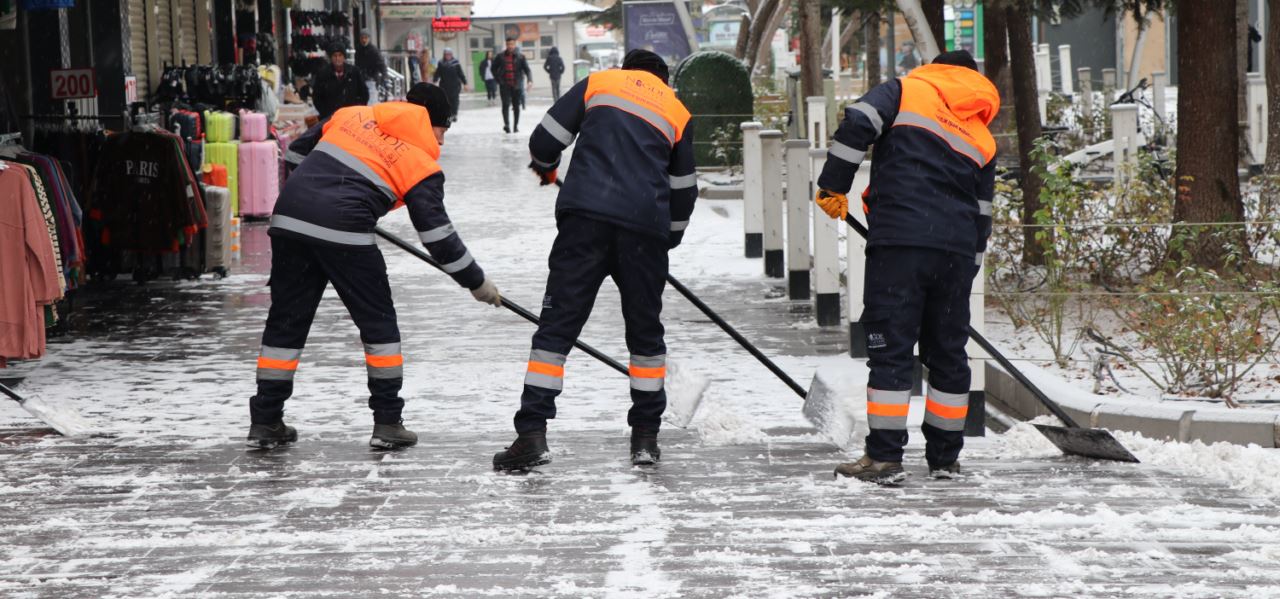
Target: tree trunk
810, 48
1242, 68
1027, 113
1272, 48
764, 53
759, 22
995, 38
873, 49
1208, 188
744, 36
846, 34
937, 23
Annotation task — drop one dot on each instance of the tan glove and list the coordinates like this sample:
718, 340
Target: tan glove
487, 293
836, 205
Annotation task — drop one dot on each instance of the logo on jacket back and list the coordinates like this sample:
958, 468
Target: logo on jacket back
142, 168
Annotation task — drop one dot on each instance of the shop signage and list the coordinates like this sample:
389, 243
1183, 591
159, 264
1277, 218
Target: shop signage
655, 26
523, 32
73, 84
130, 89
451, 24
31, 5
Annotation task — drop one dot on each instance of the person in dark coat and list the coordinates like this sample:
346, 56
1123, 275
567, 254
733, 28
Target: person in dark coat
452, 79
371, 63
486, 72
512, 72
554, 66
338, 85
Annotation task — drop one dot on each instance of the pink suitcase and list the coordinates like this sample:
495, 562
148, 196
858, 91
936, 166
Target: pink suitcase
259, 177
253, 126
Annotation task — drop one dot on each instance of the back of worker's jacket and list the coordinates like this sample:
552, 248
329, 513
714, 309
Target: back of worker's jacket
360, 164
633, 162
933, 172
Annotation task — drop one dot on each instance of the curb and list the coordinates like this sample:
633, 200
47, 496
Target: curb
1157, 421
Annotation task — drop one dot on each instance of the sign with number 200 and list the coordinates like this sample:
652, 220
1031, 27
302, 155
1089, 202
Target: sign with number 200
70, 84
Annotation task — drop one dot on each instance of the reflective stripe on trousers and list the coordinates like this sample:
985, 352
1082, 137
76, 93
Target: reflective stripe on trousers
887, 410
546, 370
277, 363
946, 411
648, 372
383, 360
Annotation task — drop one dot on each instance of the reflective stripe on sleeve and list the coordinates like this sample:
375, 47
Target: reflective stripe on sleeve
293, 157
887, 410
552, 126
684, 181
546, 370
356, 165
459, 264
648, 372
623, 104
846, 153
946, 411
872, 114
288, 223
984, 207
977, 260
437, 234
277, 363
541, 163
679, 225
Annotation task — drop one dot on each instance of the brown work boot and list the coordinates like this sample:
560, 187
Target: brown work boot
869, 470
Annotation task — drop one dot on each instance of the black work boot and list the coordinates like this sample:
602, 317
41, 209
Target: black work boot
270, 436
644, 448
392, 436
947, 472
527, 451
869, 470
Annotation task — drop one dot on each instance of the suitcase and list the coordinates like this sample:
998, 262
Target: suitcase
188, 123
259, 177
195, 154
213, 174
219, 126
228, 155
217, 247
253, 126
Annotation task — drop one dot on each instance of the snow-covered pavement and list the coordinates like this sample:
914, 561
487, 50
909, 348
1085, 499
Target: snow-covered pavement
168, 504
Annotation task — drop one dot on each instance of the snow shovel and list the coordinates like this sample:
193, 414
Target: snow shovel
63, 419
1071, 439
684, 388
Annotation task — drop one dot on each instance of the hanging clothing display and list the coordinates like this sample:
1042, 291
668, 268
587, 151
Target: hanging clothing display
29, 274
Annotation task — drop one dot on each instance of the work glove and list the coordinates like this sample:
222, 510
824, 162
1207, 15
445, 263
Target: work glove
487, 293
674, 239
836, 205
547, 176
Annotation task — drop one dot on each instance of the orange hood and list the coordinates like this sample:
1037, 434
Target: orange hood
408, 122
966, 92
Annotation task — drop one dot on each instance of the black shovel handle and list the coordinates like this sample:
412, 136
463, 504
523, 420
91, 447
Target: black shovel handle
990, 349
10, 392
506, 303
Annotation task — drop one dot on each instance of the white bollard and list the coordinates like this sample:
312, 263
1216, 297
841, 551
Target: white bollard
771, 161
1159, 83
1108, 80
975, 422
1085, 77
752, 190
1124, 130
856, 266
799, 195
1064, 69
1044, 69
816, 130
826, 257
1256, 102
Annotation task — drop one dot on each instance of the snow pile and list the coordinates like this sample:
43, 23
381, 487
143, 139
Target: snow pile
720, 424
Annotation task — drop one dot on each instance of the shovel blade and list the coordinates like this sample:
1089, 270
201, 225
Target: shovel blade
833, 414
63, 419
1092, 443
685, 389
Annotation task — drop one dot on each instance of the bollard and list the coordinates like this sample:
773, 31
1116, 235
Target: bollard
1085, 76
1044, 69
816, 128
1256, 102
1124, 130
752, 190
799, 195
856, 268
1108, 80
771, 175
1064, 69
1159, 83
975, 422
826, 257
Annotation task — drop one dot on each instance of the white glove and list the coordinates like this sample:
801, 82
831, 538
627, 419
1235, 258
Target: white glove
487, 293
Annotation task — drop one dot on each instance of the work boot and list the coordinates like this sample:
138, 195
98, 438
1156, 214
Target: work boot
270, 436
947, 472
644, 448
869, 470
392, 436
527, 451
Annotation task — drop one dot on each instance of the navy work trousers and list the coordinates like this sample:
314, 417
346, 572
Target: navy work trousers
586, 251
300, 272
917, 295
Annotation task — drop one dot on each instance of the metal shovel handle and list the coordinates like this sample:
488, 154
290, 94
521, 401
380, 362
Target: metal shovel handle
990, 349
506, 303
